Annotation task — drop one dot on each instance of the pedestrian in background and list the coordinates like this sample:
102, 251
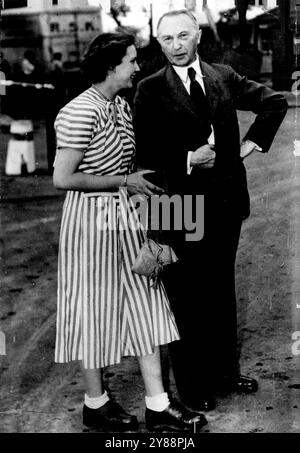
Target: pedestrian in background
105, 311
28, 101
5, 66
5, 75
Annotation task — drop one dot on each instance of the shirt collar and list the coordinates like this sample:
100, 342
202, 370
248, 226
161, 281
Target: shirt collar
182, 71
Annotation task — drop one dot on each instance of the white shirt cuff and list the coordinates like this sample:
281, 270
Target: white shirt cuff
189, 168
253, 145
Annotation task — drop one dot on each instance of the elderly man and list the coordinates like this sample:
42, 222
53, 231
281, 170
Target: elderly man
187, 131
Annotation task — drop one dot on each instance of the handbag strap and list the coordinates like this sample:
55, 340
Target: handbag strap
155, 275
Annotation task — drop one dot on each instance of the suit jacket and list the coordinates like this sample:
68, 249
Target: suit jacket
167, 128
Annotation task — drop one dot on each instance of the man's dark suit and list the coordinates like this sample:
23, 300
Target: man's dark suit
201, 285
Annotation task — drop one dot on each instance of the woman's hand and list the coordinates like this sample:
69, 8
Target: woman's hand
137, 184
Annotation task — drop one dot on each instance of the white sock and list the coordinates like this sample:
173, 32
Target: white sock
95, 403
157, 403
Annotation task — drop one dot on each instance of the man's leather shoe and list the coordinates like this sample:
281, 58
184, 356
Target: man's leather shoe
174, 418
240, 384
245, 384
202, 404
111, 415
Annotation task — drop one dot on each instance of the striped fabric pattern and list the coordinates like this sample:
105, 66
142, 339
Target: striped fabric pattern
102, 130
105, 311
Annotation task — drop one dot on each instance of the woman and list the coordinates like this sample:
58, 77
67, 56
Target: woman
104, 310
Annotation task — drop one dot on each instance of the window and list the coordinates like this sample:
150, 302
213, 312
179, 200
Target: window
15, 4
54, 2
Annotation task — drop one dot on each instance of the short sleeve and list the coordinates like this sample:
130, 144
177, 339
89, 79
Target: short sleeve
75, 126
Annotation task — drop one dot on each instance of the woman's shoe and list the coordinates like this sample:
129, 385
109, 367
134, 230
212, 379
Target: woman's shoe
174, 418
109, 416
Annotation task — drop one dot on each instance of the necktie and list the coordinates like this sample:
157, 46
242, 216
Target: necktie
200, 102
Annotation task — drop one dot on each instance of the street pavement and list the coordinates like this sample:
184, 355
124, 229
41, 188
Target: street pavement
39, 396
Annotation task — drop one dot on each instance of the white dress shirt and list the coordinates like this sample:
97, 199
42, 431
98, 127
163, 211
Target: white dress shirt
182, 72
246, 148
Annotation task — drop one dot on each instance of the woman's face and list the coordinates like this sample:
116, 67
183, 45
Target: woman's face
123, 74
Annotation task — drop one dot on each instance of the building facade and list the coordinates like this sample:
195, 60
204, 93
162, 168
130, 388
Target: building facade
46, 28
44, 4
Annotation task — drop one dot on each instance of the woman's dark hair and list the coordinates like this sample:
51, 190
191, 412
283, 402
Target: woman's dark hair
104, 53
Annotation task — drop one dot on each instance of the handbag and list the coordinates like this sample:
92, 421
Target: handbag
152, 258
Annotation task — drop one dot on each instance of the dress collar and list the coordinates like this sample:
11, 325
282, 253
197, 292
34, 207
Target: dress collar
101, 96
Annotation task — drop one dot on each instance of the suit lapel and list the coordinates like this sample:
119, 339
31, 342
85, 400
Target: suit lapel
178, 92
211, 87
180, 96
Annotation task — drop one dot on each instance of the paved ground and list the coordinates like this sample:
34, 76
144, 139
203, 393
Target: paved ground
40, 396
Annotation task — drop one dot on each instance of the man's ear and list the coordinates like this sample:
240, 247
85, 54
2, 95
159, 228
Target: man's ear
199, 37
160, 45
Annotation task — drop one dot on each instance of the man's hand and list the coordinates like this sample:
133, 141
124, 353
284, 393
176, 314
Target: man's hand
247, 148
203, 157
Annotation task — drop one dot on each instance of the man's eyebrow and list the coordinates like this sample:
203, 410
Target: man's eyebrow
166, 36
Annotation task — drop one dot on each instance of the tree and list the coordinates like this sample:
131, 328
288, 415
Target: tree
119, 8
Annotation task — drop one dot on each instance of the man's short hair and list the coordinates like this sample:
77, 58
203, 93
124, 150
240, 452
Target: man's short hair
178, 12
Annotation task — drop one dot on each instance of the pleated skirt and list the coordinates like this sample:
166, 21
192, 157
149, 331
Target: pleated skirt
105, 311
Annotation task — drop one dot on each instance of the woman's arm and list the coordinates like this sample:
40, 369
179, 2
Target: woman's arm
66, 177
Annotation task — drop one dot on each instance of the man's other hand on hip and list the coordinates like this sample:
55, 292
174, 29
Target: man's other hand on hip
204, 157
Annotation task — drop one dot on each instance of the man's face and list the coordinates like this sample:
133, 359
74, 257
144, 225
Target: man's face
179, 37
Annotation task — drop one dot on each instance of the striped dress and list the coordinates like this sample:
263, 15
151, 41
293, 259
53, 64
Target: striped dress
105, 311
